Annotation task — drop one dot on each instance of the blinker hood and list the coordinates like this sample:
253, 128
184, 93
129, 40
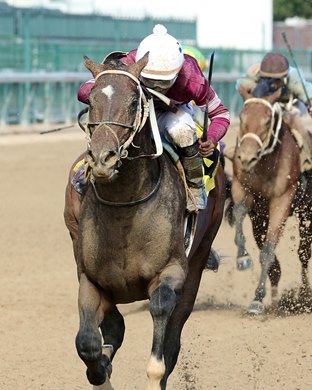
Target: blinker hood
266, 87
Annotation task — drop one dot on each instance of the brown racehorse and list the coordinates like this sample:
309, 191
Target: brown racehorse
128, 229
266, 175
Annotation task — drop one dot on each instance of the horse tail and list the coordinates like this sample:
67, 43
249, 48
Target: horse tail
228, 212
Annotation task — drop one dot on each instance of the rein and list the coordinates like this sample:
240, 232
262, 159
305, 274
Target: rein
273, 131
133, 202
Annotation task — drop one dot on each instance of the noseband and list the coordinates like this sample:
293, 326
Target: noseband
274, 129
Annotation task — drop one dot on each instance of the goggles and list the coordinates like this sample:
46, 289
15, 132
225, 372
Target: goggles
162, 84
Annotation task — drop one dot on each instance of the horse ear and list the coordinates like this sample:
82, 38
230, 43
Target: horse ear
93, 67
229, 152
245, 93
114, 56
137, 68
275, 96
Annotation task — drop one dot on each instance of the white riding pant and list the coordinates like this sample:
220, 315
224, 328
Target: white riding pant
178, 127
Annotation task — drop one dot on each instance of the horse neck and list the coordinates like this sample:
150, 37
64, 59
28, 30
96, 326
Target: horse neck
282, 158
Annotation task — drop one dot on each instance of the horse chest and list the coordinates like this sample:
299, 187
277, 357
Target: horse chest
265, 180
116, 253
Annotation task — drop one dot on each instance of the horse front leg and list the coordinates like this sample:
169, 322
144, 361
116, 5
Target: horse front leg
113, 330
267, 257
180, 315
243, 259
163, 300
304, 249
260, 220
240, 210
92, 307
279, 208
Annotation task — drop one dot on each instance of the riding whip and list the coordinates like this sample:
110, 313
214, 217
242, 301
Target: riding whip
296, 66
57, 129
205, 129
81, 113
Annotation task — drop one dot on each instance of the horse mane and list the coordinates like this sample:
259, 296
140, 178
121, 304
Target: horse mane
113, 60
116, 64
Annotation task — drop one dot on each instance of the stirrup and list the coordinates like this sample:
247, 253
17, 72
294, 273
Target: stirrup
196, 200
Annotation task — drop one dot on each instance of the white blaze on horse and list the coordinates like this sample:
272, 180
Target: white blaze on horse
128, 229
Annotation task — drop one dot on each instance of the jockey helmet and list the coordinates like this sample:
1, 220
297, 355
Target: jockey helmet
165, 55
274, 65
197, 54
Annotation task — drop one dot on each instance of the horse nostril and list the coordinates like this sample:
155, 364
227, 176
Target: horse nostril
109, 157
254, 159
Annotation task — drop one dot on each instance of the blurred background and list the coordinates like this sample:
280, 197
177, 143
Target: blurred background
42, 44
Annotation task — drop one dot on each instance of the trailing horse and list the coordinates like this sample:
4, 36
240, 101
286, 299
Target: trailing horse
268, 185
128, 228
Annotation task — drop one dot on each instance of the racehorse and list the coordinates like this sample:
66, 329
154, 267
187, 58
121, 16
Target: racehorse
127, 228
267, 184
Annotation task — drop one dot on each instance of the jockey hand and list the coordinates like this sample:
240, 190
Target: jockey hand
206, 148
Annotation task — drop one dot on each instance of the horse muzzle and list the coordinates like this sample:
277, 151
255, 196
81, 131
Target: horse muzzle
247, 160
105, 165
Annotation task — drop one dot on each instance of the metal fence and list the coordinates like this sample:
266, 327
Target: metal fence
35, 55
49, 40
41, 60
43, 97
41, 39
39, 97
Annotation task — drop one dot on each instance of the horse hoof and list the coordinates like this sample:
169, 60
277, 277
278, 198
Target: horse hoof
213, 260
243, 263
256, 307
105, 386
97, 379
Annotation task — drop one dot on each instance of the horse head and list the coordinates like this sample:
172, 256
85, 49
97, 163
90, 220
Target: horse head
115, 114
260, 122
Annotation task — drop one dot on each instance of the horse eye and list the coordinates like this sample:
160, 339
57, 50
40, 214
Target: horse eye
134, 104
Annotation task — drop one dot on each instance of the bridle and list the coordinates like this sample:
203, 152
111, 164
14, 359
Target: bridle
145, 109
266, 146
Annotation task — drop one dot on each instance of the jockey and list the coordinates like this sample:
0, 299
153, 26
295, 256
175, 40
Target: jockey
178, 76
272, 73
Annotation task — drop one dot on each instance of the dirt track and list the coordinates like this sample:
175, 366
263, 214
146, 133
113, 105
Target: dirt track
221, 347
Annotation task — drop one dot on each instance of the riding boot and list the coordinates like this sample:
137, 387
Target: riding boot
193, 167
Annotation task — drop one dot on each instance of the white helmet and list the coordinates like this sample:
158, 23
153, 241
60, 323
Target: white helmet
165, 55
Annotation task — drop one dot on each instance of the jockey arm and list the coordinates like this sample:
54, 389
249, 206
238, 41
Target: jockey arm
84, 91
300, 88
249, 81
219, 118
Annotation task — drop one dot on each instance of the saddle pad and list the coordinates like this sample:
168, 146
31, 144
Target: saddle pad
81, 176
